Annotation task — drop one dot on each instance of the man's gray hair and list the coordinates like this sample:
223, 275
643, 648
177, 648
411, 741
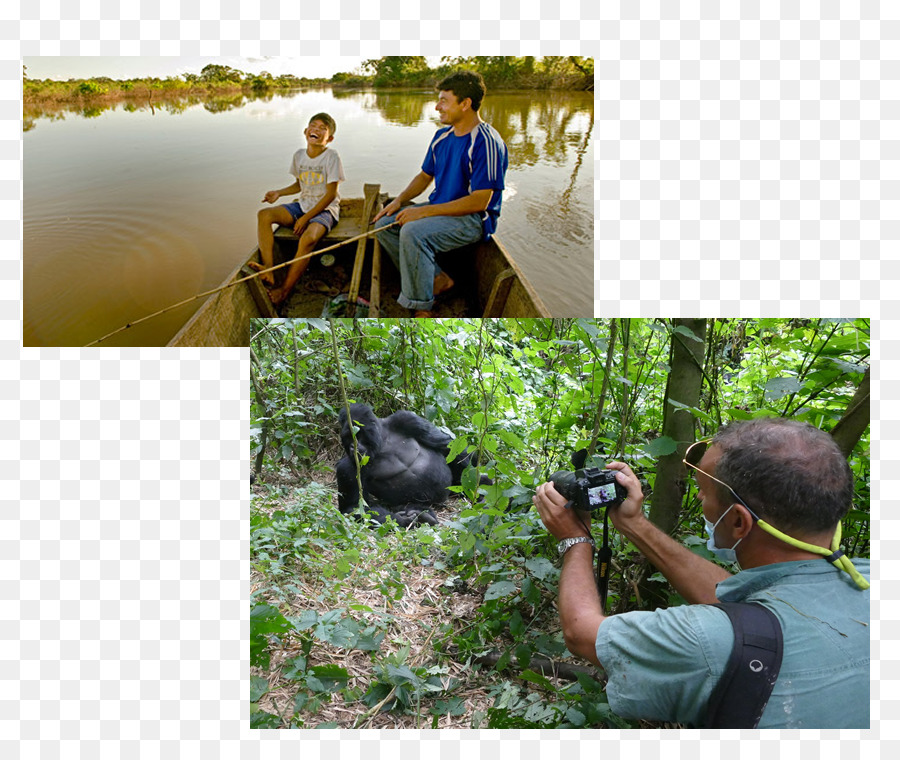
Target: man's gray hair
790, 473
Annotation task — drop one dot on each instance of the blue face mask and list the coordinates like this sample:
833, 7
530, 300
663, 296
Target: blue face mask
725, 555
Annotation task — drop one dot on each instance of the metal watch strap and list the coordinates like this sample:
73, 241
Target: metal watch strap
567, 543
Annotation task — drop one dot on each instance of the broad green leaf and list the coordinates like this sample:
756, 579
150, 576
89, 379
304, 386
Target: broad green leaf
541, 568
369, 640
687, 332
398, 674
499, 589
332, 677
457, 446
307, 619
660, 447
537, 678
294, 669
516, 624
469, 479
264, 620
523, 655
512, 439
262, 719
779, 387
343, 634
258, 687
453, 706
697, 413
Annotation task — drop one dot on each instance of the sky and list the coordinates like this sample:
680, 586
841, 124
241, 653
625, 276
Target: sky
133, 67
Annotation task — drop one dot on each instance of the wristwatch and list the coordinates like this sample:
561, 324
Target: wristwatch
567, 543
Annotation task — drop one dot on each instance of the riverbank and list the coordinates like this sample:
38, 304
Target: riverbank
499, 72
97, 91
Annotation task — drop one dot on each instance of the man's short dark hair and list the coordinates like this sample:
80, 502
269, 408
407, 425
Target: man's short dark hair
326, 120
465, 84
790, 473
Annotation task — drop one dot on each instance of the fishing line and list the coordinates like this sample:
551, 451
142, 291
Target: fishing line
237, 282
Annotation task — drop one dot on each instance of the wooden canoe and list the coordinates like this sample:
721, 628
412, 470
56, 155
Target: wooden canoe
488, 284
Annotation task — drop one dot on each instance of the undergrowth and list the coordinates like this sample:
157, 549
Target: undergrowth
355, 626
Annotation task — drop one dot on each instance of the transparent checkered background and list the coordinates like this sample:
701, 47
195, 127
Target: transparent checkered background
742, 169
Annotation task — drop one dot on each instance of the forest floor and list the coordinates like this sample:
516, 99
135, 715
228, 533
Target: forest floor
410, 598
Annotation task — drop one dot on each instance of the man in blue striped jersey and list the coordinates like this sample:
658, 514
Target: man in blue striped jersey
467, 161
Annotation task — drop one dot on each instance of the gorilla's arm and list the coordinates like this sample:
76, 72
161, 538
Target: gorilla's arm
461, 462
409, 425
369, 437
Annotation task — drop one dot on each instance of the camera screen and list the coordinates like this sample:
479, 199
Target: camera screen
602, 494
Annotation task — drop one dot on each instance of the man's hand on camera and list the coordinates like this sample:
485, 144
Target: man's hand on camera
632, 509
561, 522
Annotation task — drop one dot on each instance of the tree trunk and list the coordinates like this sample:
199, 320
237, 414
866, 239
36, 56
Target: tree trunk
683, 387
853, 424
261, 398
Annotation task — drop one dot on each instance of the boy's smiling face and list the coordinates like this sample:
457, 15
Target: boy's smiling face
317, 134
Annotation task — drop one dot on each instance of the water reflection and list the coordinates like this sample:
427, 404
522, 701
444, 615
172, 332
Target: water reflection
547, 128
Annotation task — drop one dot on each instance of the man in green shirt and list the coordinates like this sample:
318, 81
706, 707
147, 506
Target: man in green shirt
773, 494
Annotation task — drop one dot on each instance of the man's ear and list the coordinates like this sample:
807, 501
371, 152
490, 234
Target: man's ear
744, 522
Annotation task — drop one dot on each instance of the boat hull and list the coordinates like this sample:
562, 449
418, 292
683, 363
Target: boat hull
488, 284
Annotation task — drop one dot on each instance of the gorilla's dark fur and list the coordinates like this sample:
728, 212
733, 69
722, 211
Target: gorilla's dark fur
407, 472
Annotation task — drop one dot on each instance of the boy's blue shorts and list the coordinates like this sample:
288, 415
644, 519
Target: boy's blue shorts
324, 218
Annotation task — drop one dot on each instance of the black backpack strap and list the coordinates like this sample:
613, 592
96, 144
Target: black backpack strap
743, 690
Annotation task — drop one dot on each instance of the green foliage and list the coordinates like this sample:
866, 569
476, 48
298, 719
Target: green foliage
90, 88
396, 70
264, 620
525, 72
214, 72
523, 394
559, 72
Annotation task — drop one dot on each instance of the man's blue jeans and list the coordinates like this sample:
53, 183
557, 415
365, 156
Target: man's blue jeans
413, 246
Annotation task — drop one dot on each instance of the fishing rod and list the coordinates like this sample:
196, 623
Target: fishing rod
237, 282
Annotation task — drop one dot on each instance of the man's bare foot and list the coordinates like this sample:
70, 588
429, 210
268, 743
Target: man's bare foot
278, 295
268, 279
442, 283
424, 314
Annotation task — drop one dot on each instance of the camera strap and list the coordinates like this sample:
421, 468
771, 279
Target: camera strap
604, 557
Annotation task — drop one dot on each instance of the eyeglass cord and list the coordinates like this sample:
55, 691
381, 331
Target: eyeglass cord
835, 556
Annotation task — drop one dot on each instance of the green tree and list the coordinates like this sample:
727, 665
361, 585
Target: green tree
392, 71
214, 72
685, 379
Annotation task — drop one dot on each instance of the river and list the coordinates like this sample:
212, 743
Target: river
133, 206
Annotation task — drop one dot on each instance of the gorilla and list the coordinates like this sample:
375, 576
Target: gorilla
407, 472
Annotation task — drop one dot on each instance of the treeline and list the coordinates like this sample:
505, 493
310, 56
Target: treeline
499, 72
213, 78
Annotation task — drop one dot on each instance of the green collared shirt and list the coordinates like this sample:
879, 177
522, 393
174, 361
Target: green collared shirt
664, 665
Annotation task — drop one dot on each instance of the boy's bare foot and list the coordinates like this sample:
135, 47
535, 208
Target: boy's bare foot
268, 279
278, 295
424, 314
442, 283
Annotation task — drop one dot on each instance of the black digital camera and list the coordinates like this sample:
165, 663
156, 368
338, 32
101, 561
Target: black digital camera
590, 489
